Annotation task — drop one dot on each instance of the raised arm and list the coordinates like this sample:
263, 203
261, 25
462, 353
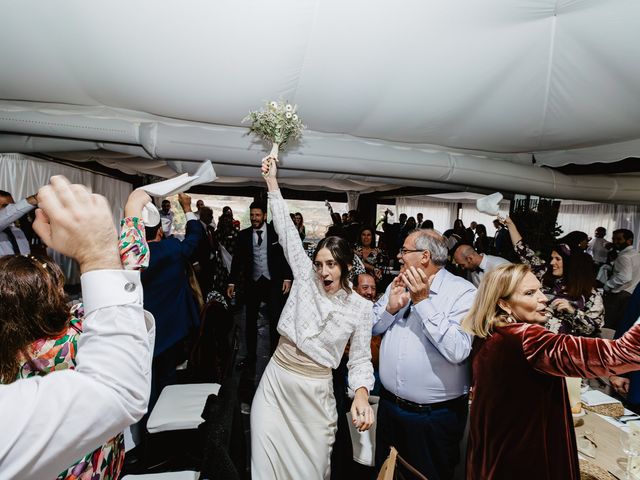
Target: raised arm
288, 235
526, 254
571, 356
14, 211
133, 247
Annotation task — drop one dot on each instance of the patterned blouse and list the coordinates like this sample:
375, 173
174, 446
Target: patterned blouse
376, 257
588, 315
59, 353
320, 324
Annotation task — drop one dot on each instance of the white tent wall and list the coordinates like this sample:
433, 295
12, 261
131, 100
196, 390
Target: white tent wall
441, 213
23, 176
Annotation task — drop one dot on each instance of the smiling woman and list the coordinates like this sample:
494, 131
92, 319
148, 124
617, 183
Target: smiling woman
520, 417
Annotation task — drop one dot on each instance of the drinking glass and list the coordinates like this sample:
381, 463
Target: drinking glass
632, 450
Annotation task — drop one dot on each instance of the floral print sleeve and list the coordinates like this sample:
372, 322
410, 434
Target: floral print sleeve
585, 321
528, 256
134, 250
59, 353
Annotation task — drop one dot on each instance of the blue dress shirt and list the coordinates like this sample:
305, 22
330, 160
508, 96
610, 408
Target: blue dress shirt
424, 351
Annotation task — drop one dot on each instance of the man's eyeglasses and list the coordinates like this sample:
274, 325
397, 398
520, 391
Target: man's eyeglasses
403, 251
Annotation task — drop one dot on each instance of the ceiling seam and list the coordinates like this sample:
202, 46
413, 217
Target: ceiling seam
545, 104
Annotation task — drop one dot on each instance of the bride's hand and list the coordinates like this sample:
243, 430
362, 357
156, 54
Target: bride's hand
269, 169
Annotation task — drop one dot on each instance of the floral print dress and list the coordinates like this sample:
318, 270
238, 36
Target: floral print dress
59, 353
588, 315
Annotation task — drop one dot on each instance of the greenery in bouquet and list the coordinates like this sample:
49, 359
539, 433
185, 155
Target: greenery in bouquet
277, 123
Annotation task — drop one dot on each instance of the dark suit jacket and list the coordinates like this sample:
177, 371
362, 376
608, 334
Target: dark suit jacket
167, 294
242, 263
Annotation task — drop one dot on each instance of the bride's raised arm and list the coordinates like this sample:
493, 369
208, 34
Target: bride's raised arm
288, 235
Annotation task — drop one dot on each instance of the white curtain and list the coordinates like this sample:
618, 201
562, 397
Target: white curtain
22, 176
352, 200
441, 213
586, 217
628, 216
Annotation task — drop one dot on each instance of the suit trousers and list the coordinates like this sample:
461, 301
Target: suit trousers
269, 292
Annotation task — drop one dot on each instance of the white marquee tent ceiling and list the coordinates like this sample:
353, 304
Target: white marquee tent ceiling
415, 93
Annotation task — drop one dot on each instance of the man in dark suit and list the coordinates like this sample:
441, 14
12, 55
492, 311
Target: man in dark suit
168, 296
203, 257
260, 262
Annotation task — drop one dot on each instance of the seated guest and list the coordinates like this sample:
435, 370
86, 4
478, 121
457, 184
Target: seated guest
373, 258
520, 418
477, 264
45, 338
568, 281
51, 421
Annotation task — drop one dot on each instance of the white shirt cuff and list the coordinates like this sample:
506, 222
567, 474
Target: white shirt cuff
106, 288
190, 216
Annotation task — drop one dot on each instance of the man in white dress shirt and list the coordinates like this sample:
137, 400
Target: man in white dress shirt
476, 263
49, 422
423, 359
624, 278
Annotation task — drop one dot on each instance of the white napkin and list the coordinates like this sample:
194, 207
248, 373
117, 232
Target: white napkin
489, 204
596, 397
166, 188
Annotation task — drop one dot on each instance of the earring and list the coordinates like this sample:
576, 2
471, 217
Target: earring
510, 318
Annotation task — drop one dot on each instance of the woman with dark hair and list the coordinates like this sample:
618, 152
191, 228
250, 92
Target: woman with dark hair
40, 332
293, 416
520, 423
373, 258
577, 241
568, 281
298, 221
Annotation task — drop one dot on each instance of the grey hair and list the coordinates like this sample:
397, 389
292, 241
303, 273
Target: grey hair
431, 240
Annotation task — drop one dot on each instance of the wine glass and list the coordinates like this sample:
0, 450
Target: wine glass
631, 447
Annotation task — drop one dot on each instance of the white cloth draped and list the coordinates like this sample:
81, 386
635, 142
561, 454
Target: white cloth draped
22, 176
441, 213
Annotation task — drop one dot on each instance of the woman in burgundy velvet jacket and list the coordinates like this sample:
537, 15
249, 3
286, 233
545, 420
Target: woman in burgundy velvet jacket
521, 425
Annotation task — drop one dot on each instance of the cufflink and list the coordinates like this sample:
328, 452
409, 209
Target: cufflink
129, 287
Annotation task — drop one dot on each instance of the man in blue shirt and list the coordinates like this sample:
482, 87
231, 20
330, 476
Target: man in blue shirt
423, 368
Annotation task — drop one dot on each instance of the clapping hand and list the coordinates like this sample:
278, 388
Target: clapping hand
417, 283
398, 296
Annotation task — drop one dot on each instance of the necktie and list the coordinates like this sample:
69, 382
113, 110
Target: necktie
12, 239
259, 232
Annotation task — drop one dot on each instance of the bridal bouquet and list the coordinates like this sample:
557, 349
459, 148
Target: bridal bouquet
278, 123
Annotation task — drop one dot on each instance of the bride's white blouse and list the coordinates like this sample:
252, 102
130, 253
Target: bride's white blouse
318, 323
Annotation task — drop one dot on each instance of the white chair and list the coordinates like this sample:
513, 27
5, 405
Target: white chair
179, 407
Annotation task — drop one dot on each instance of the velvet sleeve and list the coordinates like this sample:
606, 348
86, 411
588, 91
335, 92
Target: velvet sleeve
571, 356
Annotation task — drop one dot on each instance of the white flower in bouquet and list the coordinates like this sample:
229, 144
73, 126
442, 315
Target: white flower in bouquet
277, 124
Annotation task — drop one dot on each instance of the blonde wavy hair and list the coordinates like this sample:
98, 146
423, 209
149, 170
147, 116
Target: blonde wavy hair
485, 314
